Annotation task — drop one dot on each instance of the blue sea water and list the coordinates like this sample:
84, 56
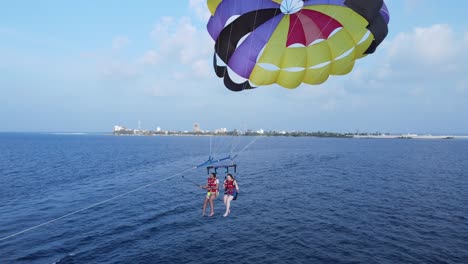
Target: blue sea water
302, 200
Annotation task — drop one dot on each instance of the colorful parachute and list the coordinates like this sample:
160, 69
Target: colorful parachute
289, 42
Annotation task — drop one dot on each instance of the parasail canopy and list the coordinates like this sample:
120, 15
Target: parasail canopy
290, 42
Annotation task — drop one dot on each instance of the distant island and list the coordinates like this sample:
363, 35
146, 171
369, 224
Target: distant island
123, 131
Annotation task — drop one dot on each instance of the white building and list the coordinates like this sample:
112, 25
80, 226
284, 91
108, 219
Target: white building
220, 130
119, 128
196, 128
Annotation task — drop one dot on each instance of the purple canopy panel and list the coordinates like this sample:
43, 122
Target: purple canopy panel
245, 56
385, 14
229, 8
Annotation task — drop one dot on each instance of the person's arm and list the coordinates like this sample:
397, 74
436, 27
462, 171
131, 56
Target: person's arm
204, 186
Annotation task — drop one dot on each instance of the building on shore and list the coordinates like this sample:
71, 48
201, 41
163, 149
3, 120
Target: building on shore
196, 128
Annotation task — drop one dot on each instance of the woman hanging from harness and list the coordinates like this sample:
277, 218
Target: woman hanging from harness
231, 189
211, 192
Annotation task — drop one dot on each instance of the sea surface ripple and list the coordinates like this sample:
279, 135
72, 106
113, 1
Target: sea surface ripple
302, 200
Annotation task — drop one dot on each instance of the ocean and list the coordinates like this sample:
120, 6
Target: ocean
122, 199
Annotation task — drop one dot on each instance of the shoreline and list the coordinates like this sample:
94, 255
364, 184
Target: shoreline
427, 137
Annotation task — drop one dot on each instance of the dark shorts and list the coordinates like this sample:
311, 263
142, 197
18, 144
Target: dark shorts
232, 193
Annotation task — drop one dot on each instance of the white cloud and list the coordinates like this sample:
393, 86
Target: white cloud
180, 59
119, 43
433, 45
202, 68
150, 58
183, 50
200, 9
433, 57
161, 29
117, 70
111, 66
181, 40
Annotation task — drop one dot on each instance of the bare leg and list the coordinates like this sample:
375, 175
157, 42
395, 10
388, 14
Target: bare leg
212, 197
204, 205
228, 205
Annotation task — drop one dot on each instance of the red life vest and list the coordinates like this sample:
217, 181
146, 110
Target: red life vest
211, 185
229, 187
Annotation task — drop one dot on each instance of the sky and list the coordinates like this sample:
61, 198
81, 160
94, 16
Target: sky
85, 66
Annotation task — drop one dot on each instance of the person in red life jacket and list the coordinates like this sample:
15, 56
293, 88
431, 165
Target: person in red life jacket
211, 192
231, 189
